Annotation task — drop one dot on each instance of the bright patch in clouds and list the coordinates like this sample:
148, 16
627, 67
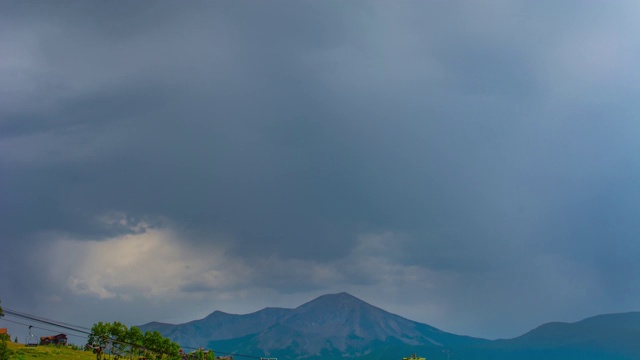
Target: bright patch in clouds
154, 263
150, 263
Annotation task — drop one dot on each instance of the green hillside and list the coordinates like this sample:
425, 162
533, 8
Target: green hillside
21, 352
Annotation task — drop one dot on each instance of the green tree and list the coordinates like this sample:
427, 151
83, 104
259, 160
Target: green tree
118, 334
134, 337
199, 354
158, 347
123, 341
99, 338
4, 350
5, 353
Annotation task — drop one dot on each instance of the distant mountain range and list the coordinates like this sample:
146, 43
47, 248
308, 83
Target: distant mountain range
339, 326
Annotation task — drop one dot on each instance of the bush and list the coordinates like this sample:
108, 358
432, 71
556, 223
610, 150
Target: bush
5, 353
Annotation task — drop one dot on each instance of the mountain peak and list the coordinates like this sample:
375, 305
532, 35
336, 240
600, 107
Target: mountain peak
343, 295
340, 326
330, 324
332, 299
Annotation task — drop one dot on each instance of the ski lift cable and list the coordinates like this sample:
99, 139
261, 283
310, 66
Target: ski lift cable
65, 327
45, 320
34, 318
30, 317
40, 328
55, 321
26, 316
72, 328
37, 327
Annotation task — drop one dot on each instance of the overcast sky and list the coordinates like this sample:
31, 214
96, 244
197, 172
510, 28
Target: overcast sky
470, 165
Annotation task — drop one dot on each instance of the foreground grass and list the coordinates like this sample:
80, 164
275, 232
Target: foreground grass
20, 352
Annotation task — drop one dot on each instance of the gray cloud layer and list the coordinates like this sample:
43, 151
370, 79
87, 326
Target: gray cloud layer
482, 155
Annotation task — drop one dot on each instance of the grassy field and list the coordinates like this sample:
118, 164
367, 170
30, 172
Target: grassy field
20, 352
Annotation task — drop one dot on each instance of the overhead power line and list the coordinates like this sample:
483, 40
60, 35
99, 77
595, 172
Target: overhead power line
40, 328
81, 329
44, 321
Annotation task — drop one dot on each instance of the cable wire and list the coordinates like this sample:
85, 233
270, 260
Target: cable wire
39, 328
71, 327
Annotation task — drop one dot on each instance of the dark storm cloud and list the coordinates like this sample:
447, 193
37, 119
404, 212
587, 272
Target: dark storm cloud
482, 138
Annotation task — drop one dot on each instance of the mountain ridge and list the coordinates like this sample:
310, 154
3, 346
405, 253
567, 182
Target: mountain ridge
342, 325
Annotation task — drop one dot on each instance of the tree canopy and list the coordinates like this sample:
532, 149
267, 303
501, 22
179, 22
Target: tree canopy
4, 351
122, 341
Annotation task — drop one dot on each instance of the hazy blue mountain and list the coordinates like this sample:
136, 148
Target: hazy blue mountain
341, 325
218, 325
344, 325
611, 336
338, 324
